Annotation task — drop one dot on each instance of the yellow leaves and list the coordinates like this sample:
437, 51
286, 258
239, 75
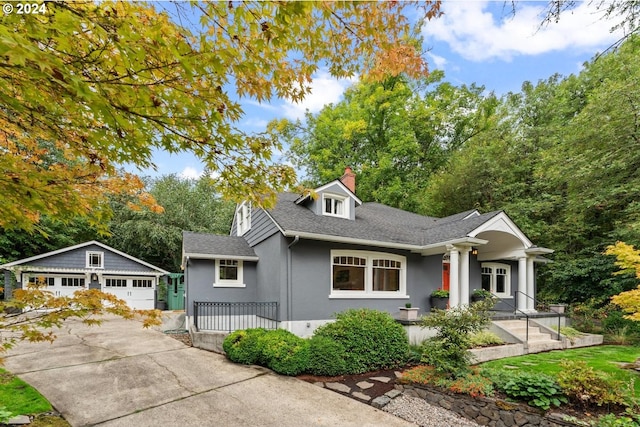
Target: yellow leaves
629, 301
94, 85
628, 260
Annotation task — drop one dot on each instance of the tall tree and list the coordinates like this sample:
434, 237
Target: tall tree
563, 161
102, 83
190, 205
393, 134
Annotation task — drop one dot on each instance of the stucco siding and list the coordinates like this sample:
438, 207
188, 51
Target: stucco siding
271, 271
311, 279
199, 284
78, 259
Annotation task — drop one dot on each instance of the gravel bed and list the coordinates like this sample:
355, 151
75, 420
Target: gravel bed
419, 412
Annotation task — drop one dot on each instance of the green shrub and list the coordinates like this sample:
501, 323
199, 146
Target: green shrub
372, 340
242, 346
619, 330
284, 352
613, 420
485, 339
447, 350
326, 356
538, 390
5, 415
582, 384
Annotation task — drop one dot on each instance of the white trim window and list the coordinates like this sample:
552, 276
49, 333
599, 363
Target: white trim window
243, 218
95, 259
334, 205
496, 278
229, 273
363, 274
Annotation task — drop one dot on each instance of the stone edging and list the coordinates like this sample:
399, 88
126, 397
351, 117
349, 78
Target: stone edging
484, 411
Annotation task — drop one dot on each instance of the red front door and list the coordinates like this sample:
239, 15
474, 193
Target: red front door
445, 276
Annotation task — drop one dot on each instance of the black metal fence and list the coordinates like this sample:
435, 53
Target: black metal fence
231, 316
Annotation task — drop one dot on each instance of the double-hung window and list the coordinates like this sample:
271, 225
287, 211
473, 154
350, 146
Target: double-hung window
243, 218
496, 278
228, 273
363, 274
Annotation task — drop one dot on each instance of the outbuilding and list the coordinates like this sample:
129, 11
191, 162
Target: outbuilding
89, 265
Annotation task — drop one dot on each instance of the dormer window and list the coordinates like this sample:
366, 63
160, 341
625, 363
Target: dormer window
243, 218
333, 205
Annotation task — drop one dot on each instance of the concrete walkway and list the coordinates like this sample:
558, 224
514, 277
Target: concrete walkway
120, 374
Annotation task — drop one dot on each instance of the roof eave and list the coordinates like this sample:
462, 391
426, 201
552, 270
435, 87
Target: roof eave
432, 249
196, 255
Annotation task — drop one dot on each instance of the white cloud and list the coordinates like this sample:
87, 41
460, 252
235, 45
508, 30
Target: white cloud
325, 89
190, 173
474, 32
438, 61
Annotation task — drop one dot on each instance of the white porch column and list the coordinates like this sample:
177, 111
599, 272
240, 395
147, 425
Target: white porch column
522, 284
454, 277
464, 275
531, 290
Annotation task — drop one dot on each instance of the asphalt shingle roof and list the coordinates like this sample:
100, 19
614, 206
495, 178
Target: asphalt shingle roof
214, 244
377, 222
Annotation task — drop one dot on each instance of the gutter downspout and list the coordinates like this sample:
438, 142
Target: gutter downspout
296, 239
188, 319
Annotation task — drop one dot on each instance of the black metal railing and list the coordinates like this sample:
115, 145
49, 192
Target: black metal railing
231, 316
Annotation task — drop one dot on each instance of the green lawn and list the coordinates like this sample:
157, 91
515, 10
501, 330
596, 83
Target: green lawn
604, 358
20, 398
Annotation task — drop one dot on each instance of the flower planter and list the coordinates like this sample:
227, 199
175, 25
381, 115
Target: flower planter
558, 308
409, 313
440, 303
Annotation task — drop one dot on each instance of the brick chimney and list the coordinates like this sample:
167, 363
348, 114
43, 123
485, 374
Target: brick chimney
349, 179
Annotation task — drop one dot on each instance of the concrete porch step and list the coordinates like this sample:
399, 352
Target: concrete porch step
518, 329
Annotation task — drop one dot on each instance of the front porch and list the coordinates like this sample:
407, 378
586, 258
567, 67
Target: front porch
497, 257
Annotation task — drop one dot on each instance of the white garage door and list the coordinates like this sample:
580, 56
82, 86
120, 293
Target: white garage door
138, 292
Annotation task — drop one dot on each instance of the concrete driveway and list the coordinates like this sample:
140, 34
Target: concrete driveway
120, 374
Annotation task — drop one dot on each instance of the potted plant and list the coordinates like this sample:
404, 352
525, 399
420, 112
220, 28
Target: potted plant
439, 299
480, 294
161, 303
408, 313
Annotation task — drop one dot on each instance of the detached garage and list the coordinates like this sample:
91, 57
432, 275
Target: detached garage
89, 265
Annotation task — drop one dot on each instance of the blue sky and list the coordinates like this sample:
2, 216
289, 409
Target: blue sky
475, 41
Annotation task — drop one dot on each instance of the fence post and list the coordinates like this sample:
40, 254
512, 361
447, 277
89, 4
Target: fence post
195, 314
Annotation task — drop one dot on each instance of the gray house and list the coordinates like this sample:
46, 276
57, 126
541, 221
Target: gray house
92, 265
327, 251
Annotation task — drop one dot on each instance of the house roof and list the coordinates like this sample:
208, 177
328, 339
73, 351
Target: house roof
375, 222
212, 246
79, 246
